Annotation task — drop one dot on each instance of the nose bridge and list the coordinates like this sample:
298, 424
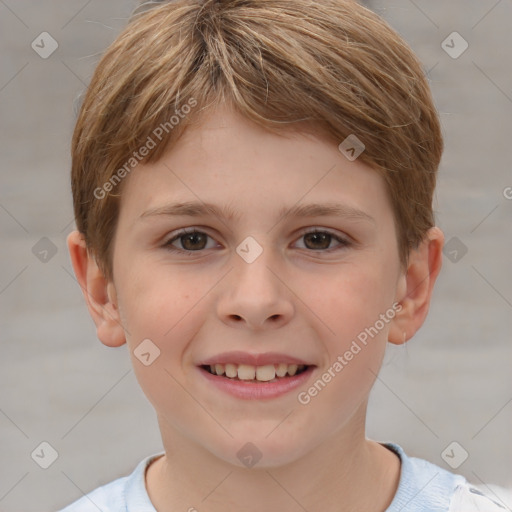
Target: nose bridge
253, 292
252, 275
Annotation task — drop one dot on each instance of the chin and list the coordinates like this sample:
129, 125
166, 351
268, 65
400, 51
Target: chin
260, 452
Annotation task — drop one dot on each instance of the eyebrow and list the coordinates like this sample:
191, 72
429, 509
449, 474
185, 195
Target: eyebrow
198, 209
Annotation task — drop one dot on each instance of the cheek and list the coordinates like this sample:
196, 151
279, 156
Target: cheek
159, 304
357, 304
354, 353
162, 309
348, 300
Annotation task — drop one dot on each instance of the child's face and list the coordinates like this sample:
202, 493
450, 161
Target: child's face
304, 298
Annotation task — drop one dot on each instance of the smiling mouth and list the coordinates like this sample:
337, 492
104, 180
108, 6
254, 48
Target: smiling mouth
250, 373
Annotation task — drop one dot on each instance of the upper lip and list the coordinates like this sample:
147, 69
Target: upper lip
253, 359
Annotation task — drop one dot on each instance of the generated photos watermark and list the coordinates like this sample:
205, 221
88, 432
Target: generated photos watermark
361, 341
139, 155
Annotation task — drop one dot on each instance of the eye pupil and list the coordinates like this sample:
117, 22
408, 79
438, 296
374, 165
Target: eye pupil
323, 238
193, 238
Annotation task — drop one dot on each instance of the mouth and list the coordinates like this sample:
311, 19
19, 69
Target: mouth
252, 376
255, 376
267, 373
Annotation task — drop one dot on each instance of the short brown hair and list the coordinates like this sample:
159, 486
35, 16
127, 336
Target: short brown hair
332, 64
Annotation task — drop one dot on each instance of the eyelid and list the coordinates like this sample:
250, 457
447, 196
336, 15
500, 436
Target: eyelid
343, 239
319, 229
175, 235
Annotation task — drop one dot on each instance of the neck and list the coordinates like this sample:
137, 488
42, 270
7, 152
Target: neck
343, 474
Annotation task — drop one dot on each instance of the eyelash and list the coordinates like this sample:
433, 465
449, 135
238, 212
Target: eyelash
343, 242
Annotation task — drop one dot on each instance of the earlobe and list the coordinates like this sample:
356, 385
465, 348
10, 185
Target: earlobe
414, 290
99, 293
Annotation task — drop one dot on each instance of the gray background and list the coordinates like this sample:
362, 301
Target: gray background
60, 385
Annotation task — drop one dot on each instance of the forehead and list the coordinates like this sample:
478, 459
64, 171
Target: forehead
228, 159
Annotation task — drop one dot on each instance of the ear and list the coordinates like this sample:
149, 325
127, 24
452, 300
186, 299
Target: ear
100, 294
415, 287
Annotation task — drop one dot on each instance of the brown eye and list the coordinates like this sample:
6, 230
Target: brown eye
317, 240
322, 241
192, 241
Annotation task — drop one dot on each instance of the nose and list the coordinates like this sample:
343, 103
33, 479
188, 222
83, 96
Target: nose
253, 296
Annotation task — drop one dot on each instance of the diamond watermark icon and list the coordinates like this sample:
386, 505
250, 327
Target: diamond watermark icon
44, 250
249, 249
454, 455
352, 147
44, 45
454, 249
454, 45
44, 455
147, 352
249, 455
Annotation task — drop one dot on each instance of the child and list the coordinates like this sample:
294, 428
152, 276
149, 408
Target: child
252, 183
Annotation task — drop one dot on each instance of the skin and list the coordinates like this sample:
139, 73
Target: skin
302, 296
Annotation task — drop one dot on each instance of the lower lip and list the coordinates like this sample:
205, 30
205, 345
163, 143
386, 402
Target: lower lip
248, 390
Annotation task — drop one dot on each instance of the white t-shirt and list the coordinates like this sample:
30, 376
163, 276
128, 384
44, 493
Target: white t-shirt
423, 487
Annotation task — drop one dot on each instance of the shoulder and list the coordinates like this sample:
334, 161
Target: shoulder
126, 494
426, 487
107, 498
468, 498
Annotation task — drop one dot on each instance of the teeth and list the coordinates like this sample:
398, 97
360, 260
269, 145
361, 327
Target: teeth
246, 372
231, 371
292, 369
264, 373
281, 369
